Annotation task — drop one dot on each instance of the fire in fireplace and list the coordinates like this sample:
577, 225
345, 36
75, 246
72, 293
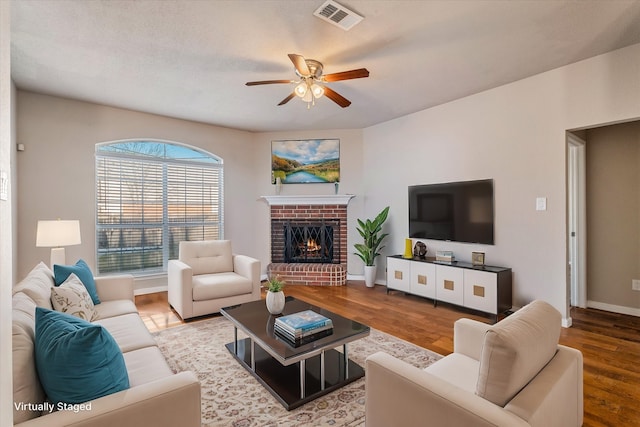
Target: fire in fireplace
308, 243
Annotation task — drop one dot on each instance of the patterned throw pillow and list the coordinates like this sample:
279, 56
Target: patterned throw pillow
73, 298
82, 270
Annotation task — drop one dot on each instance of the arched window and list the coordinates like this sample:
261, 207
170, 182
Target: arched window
150, 195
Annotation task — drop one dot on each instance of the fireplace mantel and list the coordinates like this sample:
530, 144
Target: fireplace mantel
322, 199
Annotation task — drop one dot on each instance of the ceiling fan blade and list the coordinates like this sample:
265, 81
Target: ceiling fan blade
346, 75
287, 99
268, 82
336, 97
300, 64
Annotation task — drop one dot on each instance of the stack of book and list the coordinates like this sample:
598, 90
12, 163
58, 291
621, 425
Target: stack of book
445, 256
303, 327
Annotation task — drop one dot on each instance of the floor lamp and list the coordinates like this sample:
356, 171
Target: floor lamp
56, 234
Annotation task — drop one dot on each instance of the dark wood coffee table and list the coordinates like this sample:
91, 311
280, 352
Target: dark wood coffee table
294, 375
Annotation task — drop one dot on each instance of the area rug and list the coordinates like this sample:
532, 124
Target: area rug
232, 397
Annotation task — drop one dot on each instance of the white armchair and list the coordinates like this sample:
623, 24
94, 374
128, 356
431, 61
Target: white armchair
513, 373
208, 276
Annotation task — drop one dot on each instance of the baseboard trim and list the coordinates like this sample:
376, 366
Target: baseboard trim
614, 308
360, 277
152, 290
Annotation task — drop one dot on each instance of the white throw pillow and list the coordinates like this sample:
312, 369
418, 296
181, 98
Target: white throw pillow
73, 298
516, 349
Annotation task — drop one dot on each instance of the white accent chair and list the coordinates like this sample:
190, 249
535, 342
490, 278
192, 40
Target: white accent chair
513, 373
207, 276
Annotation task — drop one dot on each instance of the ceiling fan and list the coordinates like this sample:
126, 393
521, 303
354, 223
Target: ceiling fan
310, 87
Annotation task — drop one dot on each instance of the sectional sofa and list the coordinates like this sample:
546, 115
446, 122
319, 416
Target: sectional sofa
154, 395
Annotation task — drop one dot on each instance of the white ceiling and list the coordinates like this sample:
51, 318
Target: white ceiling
190, 59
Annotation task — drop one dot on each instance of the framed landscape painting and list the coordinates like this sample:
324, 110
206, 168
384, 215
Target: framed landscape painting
305, 161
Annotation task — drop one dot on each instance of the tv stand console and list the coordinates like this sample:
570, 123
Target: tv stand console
483, 288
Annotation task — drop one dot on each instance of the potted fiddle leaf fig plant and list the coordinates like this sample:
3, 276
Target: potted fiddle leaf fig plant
371, 232
275, 296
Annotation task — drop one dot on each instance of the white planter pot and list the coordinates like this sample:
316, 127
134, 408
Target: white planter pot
370, 275
275, 302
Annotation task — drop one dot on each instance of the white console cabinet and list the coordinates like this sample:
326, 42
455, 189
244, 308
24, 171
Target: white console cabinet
485, 288
414, 278
450, 284
423, 280
398, 274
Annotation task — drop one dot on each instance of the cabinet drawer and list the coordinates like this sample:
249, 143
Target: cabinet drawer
449, 284
398, 274
423, 279
480, 291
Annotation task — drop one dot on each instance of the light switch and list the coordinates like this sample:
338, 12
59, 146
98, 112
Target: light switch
4, 185
541, 204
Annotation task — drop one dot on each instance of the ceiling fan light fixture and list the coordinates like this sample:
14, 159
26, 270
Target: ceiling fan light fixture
310, 87
302, 89
317, 90
308, 97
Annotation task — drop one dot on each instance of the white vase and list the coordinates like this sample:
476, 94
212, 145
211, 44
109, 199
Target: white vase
275, 302
370, 275
278, 185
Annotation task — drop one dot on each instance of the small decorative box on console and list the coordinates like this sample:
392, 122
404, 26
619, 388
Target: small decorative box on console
445, 256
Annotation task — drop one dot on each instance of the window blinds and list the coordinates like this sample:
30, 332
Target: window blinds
145, 207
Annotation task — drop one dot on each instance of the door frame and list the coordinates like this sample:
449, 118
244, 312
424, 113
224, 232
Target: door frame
576, 220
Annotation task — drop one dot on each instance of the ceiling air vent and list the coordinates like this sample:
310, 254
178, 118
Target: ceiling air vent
338, 15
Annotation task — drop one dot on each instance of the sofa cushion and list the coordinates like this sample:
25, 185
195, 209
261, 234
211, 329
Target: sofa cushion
115, 308
207, 256
37, 285
221, 285
77, 361
128, 331
146, 365
26, 386
72, 298
516, 349
457, 369
82, 270
24, 303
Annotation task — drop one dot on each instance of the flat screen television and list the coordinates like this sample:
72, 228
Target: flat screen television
455, 211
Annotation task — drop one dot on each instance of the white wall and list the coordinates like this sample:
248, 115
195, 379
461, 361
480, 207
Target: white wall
514, 134
7, 210
56, 170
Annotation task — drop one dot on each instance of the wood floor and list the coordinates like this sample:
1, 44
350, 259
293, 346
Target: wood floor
610, 342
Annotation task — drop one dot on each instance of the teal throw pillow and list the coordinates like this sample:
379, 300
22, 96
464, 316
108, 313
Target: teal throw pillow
77, 361
82, 270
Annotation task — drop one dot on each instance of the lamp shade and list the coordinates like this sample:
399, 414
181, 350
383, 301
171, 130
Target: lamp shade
58, 233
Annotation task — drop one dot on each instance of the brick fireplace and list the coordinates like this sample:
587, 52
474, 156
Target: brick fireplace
309, 239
